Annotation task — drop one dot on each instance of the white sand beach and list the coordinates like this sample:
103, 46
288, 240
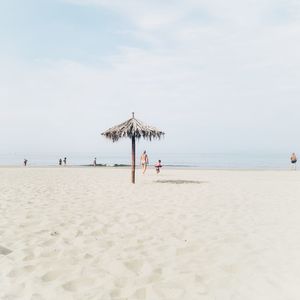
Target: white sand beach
88, 233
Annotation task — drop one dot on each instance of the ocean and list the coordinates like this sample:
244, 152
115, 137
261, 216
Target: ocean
180, 160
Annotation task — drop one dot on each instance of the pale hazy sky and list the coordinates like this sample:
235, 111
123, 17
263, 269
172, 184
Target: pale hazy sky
217, 76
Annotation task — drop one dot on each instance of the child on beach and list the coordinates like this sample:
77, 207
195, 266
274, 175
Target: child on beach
158, 165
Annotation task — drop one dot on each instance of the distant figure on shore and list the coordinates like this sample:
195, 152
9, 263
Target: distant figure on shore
144, 161
293, 161
60, 162
158, 165
95, 162
25, 162
65, 161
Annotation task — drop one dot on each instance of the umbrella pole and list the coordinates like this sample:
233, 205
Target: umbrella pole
133, 160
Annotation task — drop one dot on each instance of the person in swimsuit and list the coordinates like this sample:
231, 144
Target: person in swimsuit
294, 161
60, 162
158, 165
144, 161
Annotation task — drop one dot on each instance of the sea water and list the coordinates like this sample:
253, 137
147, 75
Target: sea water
187, 160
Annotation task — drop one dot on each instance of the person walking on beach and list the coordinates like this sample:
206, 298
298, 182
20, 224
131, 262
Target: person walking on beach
293, 161
95, 162
144, 161
25, 162
65, 161
60, 162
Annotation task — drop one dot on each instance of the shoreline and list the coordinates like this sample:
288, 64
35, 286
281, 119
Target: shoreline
183, 168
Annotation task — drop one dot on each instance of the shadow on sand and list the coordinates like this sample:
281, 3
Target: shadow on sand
180, 181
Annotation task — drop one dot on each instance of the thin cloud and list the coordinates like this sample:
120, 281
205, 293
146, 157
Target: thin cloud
230, 77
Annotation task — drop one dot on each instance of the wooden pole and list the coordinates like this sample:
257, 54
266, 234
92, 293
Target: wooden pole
133, 160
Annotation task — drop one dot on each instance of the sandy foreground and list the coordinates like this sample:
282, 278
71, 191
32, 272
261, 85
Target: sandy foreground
87, 233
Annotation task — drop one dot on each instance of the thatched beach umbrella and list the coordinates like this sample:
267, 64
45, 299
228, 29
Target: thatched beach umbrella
133, 129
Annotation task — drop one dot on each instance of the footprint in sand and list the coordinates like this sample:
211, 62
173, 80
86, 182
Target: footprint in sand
48, 243
97, 232
79, 233
54, 233
29, 268
121, 282
134, 265
36, 297
21, 271
186, 250
46, 253
28, 257
52, 275
16, 273
115, 293
78, 284
139, 294
155, 276
88, 256
4, 251
169, 291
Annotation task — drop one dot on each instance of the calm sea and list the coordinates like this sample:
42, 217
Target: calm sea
196, 160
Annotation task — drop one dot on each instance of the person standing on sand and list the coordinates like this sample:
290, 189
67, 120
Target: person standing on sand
158, 165
65, 161
144, 161
95, 162
60, 162
293, 161
25, 162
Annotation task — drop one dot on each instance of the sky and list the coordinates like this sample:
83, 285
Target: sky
216, 76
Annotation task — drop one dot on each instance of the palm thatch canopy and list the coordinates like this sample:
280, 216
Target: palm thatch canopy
133, 128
